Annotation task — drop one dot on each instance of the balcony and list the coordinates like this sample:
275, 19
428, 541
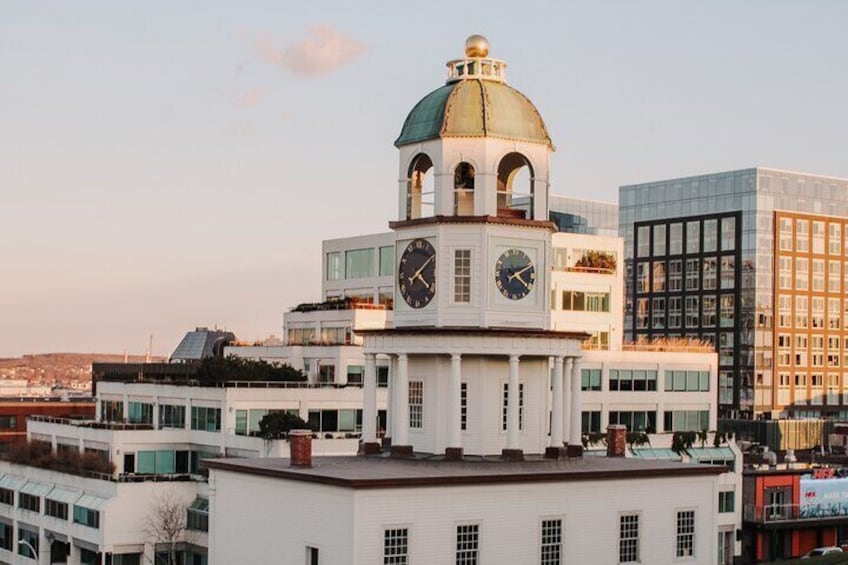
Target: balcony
790, 514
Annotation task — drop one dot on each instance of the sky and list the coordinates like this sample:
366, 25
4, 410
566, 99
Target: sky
166, 165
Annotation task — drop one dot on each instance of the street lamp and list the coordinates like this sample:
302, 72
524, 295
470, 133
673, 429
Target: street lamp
31, 548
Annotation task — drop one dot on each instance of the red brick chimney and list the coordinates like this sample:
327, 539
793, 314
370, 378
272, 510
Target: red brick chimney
301, 448
616, 440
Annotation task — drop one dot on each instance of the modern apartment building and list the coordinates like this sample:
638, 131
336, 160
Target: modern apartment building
704, 259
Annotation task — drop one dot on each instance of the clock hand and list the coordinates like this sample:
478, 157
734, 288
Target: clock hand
418, 272
517, 274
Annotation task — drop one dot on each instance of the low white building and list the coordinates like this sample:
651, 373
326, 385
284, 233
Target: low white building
156, 434
361, 511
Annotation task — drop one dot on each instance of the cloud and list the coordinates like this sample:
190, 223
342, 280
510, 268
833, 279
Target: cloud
323, 50
251, 98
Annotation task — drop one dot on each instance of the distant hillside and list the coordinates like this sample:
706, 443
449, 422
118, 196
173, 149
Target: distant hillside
59, 368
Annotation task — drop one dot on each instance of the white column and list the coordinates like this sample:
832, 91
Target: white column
402, 402
566, 397
390, 403
512, 412
558, 400
454, 402
575, 436
369, 400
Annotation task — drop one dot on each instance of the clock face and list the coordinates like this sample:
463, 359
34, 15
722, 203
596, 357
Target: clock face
515, 274
417, 273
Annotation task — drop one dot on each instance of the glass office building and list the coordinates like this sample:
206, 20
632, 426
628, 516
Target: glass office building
700, 262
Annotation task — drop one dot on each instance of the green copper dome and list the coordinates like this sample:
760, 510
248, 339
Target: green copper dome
474, 108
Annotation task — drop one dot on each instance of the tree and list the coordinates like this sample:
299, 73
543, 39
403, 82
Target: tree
166, 524
214, 370
597, 260
276, 424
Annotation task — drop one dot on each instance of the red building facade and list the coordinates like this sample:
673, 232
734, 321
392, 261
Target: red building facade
781, 517
15, 411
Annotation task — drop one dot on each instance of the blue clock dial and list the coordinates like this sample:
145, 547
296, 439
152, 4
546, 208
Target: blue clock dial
515, 274
417, 273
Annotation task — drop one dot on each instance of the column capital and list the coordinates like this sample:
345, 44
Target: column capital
370, 355
514, 358
456, 356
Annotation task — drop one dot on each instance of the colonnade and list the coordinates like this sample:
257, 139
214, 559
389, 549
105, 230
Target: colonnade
566, 422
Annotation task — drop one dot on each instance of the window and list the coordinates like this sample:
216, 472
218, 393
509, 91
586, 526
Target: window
642, 274
692, 267
675, 243
658, 313
708, 320
628, 538
785, 234
551, 549
658, 276
726, 314
643, 241
685, 533
710, 235
462, 275
728, 234
463, 406
205, 419
802, 235
834, 275
334, 266
359, 263
506, 406
86, 516
693, 237
8, 422
31, 542
659, 240
112, 410
396, 546
29, 502
585, 301
56, 509
638, 421
818, 237
642, 313
674, 311
590, 379
675, 275
834, 239
197, 515
725, 501
382, 376
801, 311
387, 261
171, 416
728, 272
802, 274
692, 313
686, 420
818, 274
140, 413
710, 273
638, 380
354, 374
7, 536
311, 555
416, 405
7, 496
591, 421
467, 544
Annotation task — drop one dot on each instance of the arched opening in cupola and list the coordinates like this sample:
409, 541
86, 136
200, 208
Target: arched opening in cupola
420, 188
515, 186
463, 189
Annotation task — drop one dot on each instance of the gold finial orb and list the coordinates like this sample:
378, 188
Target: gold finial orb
476, 46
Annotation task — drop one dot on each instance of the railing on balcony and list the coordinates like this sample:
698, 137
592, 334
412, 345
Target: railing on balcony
102, 425
776, 513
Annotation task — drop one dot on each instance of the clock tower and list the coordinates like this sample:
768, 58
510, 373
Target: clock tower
471, 349
473, 236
